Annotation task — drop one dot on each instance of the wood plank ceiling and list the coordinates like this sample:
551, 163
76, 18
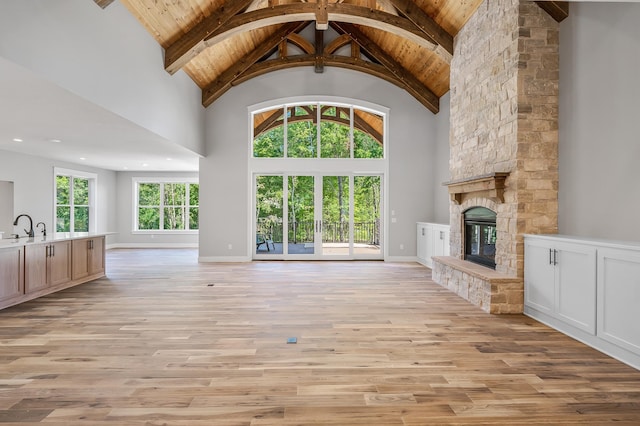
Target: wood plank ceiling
222, 43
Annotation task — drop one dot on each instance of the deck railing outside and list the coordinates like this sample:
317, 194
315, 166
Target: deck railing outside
332, 232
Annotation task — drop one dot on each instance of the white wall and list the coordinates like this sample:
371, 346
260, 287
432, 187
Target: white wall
441, 163
6, 207
33, 190
599, 129
125, 209
106, 57
224, 197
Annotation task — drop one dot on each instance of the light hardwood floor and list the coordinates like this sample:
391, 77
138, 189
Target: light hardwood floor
164, 340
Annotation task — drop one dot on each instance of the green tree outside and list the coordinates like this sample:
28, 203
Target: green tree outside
302, 143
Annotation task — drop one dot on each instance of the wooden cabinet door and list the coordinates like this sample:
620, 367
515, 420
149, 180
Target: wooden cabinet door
11, 275
60, 263
35, 272
80, 255
96, 256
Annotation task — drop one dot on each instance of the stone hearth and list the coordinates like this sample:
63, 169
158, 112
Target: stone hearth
504, 144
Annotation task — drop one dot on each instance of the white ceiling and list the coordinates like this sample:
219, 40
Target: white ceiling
38, 111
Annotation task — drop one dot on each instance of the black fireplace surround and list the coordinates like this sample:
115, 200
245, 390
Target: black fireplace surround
480, 236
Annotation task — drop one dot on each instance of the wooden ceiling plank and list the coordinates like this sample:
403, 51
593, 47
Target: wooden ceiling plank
225, 80
338, 12
411, 83
189, 45
423, 21
319, 67
558, 10
103, 3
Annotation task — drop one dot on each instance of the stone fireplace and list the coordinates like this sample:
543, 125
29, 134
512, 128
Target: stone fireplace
480, 236
504, 145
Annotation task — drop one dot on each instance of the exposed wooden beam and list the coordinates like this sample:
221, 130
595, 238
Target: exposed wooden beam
337, 43
423, 21
411, 83
300, 12
268, 123
360, 124
322, 15
224, 81
346, 62
188, 46
319, 67
283, 49
355, 48
103, 3
558, 10
302, 43
271, 65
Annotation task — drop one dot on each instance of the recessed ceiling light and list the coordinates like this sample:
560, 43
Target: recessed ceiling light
17, 140
55, 140
168, 159
145, 165
83, 158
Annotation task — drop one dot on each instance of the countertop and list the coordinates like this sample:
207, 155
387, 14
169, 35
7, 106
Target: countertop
58, 236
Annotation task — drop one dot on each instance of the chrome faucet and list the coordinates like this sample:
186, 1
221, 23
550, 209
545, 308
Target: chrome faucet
30, 232
44, 228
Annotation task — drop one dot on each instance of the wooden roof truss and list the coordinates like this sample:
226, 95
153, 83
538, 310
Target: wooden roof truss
406, 42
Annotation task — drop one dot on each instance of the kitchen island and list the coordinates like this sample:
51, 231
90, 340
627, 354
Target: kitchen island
31, 267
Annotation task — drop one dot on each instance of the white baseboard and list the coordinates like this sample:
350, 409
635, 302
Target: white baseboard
224, 259
401, 259
151, 245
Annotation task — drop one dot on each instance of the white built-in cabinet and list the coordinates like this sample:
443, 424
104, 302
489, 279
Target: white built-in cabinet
561, 281
432, 240
588, 289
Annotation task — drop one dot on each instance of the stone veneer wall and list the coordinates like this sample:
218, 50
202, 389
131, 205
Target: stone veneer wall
504, 118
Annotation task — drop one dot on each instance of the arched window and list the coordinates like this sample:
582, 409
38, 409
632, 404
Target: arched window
318, 130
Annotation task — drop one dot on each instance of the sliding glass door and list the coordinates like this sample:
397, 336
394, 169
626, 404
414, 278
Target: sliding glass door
301, 222
316, 216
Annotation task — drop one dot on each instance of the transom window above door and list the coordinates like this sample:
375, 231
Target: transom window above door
318, 130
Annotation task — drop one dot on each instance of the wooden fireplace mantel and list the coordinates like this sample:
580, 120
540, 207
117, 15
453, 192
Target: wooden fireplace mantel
492, 185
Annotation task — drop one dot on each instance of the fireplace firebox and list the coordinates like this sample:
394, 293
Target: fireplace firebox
480, 236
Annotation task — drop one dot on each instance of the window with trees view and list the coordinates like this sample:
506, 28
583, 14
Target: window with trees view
318, 130
74, 201
166, 206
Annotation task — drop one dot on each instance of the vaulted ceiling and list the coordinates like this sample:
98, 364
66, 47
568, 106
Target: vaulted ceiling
222, 43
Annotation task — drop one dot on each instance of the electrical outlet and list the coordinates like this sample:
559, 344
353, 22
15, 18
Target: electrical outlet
230, 246
401, 246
